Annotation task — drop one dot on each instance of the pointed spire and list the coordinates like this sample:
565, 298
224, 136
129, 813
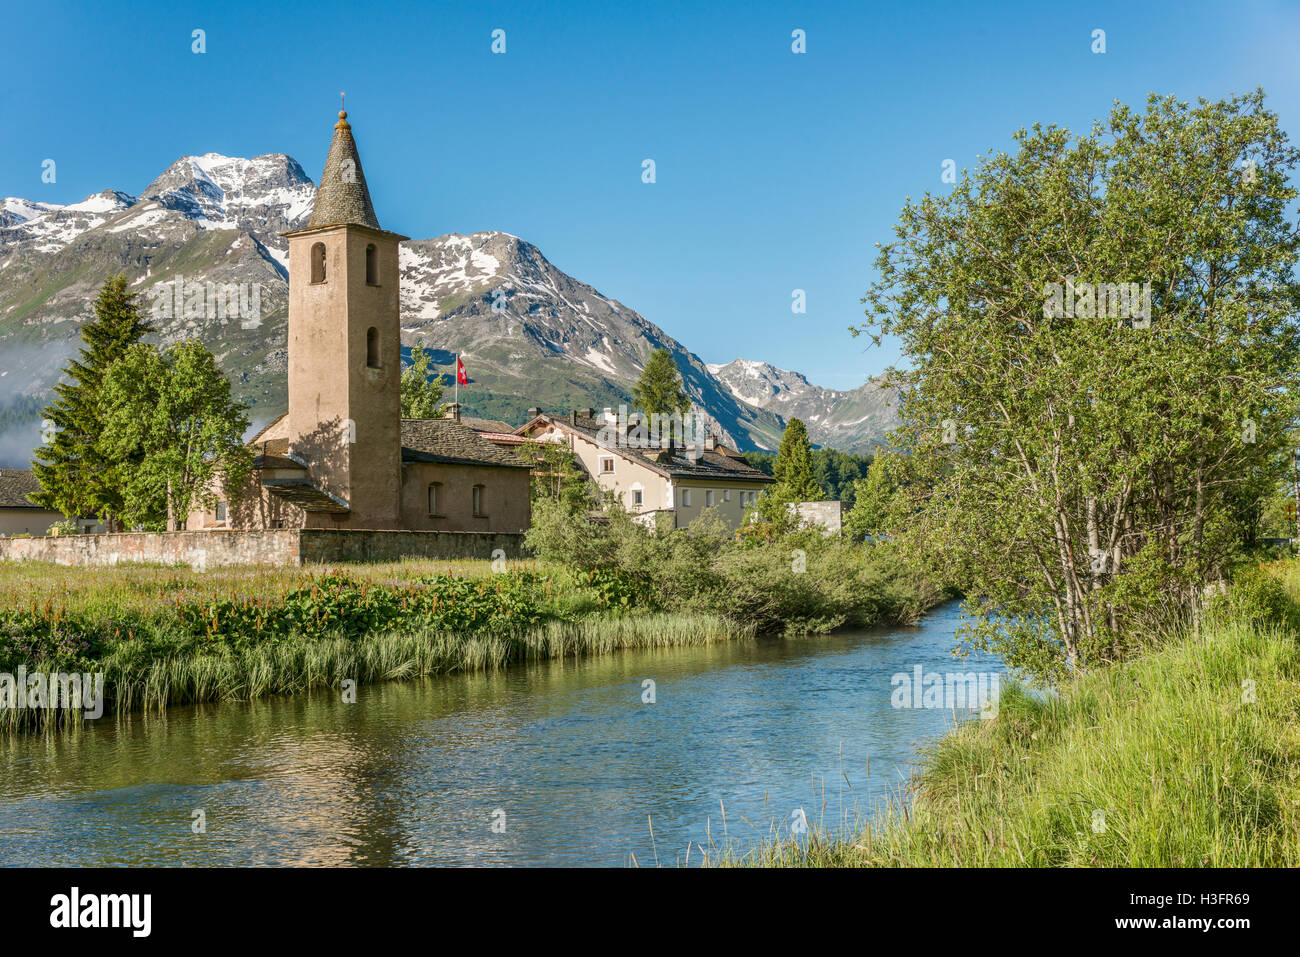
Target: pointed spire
342, 197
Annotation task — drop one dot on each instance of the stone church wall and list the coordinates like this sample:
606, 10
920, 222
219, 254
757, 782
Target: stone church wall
276, 547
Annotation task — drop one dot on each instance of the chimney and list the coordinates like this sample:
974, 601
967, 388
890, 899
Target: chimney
587, 413
573, 417
533, 413
710, 443
453, 411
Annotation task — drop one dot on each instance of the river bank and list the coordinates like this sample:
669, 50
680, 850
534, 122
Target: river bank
164, 636
1188, 756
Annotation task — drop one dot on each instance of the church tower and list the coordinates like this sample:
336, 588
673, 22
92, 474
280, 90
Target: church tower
345, 348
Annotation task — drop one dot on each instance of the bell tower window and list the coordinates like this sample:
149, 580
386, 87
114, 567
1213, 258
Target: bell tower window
372, 265
372, 348
318, 262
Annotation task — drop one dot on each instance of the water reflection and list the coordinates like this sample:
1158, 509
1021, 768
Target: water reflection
566, 751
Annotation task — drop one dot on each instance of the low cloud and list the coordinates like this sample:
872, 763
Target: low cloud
17, 443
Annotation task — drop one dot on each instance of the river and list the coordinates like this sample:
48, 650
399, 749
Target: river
557, 763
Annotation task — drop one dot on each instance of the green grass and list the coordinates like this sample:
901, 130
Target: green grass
1186, 772
165, 636
136, 680
146, 590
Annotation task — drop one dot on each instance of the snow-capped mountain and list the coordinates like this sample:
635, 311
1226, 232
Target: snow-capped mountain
49, 227
853, 420
529, 333
533, 335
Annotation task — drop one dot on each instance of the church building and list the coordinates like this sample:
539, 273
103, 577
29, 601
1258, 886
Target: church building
343, 456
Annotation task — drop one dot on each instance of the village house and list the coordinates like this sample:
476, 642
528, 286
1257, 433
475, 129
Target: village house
343, 457
19, 515
677, 482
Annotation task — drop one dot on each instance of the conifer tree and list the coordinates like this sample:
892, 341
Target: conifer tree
659, 390
796, 481
76, 478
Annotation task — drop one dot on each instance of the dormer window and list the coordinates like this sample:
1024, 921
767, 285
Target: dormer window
372, 265
318, 263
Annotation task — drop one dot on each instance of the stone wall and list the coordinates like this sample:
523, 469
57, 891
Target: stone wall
829, 515
324, 545
279, 547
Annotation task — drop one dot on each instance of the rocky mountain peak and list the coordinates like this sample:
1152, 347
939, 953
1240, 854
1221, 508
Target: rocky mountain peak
530, 333
265, 195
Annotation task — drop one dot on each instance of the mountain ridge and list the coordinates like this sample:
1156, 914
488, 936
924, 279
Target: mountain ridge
531, 334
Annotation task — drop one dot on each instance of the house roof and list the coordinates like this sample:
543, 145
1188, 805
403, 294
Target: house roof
723, 464
452, 443
267, 428
487, 425
15, 487
274, 454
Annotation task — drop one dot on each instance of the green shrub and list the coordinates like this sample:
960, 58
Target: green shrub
794, 581
61, 644
1254, 597
341, 606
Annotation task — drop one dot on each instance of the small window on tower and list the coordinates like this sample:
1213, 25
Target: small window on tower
372, 348
372, 265
318, 262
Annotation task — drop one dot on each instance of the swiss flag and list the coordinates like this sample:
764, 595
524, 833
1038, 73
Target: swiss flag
461, 377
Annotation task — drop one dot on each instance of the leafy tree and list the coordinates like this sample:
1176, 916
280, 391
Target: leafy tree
173, 415
793, 469
421, 396
659, 389
76, 479
1082, 469
556, 477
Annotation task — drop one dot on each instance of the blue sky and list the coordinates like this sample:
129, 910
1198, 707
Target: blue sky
775, 171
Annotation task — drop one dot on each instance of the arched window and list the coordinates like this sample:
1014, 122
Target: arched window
372, 348
318, 262
372, 265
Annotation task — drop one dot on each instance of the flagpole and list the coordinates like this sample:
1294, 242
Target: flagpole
457, 399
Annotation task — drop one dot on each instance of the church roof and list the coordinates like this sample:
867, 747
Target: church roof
343, 197
451, 443
486, 425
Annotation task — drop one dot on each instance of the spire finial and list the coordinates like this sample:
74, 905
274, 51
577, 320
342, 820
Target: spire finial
342, 124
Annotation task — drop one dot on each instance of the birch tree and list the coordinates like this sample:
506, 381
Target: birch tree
1100, 356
